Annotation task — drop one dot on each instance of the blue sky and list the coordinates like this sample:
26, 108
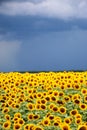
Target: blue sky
43, 35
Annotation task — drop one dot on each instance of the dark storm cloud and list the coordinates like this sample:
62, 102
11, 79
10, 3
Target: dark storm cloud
61, 9
33, 1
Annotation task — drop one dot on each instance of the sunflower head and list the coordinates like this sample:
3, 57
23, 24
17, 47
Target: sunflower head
82, 127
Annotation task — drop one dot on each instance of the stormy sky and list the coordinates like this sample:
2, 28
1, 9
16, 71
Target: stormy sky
43, 35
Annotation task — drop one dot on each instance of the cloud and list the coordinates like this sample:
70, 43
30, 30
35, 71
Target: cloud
9, 51
52, 51
64, 9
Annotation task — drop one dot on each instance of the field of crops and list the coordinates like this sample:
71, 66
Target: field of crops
43, 101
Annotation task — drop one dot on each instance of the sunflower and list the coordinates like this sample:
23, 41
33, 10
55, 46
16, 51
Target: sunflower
82, 127
43, 107
39, 95
5, 110
57, 119
35, 95
46, 122
61, 94
6, 125
36, 117
62, 87
51, 117
83, 106
26, 127
78, 121
9, 102
76, 96
60, 102
30, 106
38, 101
30, 116
74, 112
53, 98
65, 126
21, 121
43, 101
51, 106
85, 99
17, 126
62, 110
47, 98
67, 120
48, 114
78, 116
15, 119
77, 86
84, 91
17, 105
66, 98
37, 106
68, 85
56, 123
31, 127
18, 115
55, 93
7, 117
55, 108
77, 101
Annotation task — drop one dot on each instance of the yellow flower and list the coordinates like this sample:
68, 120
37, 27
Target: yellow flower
30, 116
46, 122
82, 127
21, 121
39, 95
67, 120
74, 112
51, 117
84, 91
16, 126
7, 125
53, 98
83, 106
51, 106
43, 106
15, 119
60, 102
62, 110
77, 86
78, 121
5, 110
37, 106
31, 127
36, 117
61, 94
26, 127
78, 116
85, 98
77, 101
65, 126
18, 115
66, 98
56, 123
47, 97
7, 117
43, 101
57, 119
55, 93
30, 106
55, 108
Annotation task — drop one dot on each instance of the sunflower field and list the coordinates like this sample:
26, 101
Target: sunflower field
43, 101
